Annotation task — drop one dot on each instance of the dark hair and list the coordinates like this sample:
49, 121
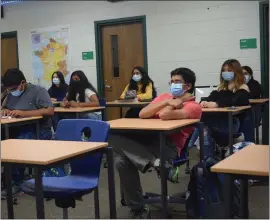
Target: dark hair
248, 69
61, 78
85, 84
13, 77
188, 76
144, 81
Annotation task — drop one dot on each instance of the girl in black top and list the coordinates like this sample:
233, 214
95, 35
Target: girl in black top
232, 91
253, 85
59, 88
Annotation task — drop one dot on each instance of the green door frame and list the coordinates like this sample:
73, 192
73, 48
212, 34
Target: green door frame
264, 49
12, 34
98, 38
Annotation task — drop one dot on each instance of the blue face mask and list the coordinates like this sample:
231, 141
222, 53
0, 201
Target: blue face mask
177, 89
56, 81
228, 76
16, 93
247, 78
137, 78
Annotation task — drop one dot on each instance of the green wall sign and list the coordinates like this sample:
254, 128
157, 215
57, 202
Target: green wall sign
89, 55
250, 43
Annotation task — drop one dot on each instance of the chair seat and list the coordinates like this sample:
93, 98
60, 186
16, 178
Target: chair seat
59, 187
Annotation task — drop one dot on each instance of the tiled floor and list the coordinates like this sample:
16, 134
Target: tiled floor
258, 197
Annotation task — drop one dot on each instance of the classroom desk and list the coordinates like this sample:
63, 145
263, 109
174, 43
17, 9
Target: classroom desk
256, 105
163, 128
251, 161
12, 122
42, 154
78, 110
126, 104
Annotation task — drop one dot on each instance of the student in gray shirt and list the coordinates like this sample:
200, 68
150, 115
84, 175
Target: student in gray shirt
27, 100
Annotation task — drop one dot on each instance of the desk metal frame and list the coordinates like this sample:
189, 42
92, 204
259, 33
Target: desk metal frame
39, 187
162, 146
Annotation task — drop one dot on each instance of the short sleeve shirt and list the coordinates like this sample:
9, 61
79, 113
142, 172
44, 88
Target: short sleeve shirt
193, 110
33, 98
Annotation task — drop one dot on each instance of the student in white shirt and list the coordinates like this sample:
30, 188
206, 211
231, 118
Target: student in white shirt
81, 93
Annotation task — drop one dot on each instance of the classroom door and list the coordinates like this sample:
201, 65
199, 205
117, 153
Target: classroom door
122, 49
9, 53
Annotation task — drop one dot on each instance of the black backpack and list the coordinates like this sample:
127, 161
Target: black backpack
204, 198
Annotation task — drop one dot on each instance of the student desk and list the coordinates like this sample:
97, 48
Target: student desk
12, 122
256, 105
126, 104
163, 128
78, 110
42, 154
251, 161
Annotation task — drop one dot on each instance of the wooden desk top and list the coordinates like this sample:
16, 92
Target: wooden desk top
43, 152
238, 109
149, 124
126, 103
16, 120
252, 160
78, 110
258, 101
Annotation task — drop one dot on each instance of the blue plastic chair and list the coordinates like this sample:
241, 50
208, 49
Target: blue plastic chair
85, 171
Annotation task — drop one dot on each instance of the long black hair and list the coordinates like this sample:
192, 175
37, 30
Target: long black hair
144, 81
61, 78
80, 89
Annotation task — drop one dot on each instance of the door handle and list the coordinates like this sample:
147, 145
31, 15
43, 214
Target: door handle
108, 87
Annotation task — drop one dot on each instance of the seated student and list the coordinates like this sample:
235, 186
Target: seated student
26, 100
81, 93
253, 85
232, 91
139, 151
59, 88
143, 86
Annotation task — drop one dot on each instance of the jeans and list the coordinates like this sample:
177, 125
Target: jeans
247, 127
212, 124
93, 116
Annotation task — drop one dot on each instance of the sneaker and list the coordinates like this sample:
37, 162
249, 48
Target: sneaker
143, 213
171, 171
15, 191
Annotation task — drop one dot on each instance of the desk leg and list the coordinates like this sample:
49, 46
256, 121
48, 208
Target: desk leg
8, 178
39, 193
163, 177
201, 139
37, 130
111, 183
228, 194
257, 107
77, 115
244, 198
6, 131
121, 112
253, 109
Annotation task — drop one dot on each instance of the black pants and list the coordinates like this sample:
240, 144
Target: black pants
135, 151
133, 113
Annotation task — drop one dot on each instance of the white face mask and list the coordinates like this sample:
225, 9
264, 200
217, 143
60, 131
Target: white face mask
247, 78
56, 81
137, 78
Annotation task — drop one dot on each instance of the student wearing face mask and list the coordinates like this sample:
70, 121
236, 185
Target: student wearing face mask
26, 100
232, 91
138, 151
143, 87
253, 85
81, 93
58, 90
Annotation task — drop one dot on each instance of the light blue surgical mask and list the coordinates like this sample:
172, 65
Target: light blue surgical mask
137, 78
228, 76
177, 89
247, 78
16, 93
56, 81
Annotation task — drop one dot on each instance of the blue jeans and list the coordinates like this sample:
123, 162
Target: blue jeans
247, 127
211, 125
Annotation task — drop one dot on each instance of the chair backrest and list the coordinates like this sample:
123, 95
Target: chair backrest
84, 130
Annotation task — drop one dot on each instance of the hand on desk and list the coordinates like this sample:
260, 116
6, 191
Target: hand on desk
13, 113
5, 112
205, 104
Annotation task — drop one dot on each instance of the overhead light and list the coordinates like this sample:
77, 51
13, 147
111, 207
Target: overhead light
5, 2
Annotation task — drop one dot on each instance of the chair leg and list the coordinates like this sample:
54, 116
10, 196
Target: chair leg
65, 213
96, 198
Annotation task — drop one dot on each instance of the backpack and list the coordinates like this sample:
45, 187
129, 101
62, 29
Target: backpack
54, 172
204, 198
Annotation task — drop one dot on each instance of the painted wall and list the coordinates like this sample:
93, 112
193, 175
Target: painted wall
199, 35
